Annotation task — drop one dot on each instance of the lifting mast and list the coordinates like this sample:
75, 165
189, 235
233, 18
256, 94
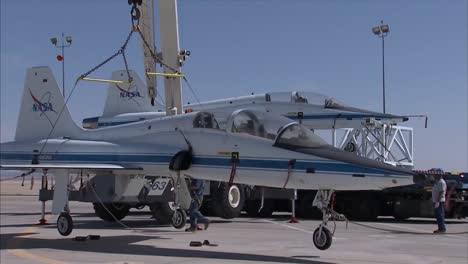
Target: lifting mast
170, 53
147, 29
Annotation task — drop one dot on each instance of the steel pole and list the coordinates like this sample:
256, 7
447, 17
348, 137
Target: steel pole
63, 66
383, 71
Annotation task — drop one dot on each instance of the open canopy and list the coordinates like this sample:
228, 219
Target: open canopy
282, 131
295, 135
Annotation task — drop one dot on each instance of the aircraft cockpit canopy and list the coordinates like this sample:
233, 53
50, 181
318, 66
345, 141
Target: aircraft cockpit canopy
285, 132
205, 120
256, 123
297, 136
310, 98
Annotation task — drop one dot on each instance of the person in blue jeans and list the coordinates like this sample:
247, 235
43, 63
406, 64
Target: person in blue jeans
438, 198
197, 188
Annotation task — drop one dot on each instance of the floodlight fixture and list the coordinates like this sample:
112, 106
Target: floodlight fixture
385, 28
376, 30
65, 43
382, 31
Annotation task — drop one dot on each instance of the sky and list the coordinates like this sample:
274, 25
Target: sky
244, 46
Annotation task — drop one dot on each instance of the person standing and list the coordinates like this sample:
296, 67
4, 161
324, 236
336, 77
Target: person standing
197, 188
438, 198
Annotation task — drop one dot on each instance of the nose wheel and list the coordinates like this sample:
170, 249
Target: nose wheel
64, 224
179, 219
322, 238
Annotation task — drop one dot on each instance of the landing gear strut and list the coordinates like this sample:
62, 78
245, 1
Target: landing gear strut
182, 200
322, 236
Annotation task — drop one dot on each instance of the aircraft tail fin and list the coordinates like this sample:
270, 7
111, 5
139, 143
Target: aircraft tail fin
43, 112
131, 98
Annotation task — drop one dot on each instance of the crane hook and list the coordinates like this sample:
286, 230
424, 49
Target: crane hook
135, 12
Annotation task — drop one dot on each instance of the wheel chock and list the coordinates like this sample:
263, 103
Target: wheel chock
42, 222
80, 238
207, 243
94, 237
293, 220
195, 244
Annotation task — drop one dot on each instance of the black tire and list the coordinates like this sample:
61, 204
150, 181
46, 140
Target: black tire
322, 240
306, 209
207, 208
252, 207
182, 160
180, 219
228, 201
162, 212
402, 210
118, 210
64, 224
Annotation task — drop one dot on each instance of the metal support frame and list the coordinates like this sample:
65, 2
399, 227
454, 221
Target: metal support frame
44, 186
391, 144
293, 219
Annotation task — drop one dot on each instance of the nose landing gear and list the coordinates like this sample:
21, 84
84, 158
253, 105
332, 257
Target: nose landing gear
322, 237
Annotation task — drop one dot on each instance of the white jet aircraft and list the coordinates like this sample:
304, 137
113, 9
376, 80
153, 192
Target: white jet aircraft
256, 148
130, 103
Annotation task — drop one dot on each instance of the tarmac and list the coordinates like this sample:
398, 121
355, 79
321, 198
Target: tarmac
241, 240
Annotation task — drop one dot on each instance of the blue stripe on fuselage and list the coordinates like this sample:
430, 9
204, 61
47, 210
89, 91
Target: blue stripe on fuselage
106, 124
211, 161
339, 116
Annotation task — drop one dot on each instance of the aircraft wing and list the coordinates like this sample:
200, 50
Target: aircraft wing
74, 166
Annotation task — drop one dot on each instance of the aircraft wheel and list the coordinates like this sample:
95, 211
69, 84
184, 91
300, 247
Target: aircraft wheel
64, 224
179, 219
117, 210
162, 212
228, 200
323, 238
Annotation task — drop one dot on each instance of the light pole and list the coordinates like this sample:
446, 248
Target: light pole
66, 42
381, 31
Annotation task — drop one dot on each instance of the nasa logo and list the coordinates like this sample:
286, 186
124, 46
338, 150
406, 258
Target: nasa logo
127, 93
42, 105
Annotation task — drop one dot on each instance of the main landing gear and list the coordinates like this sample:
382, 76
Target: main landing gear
322, 237
64, 224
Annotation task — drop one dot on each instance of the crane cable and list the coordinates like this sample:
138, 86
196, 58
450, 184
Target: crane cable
161, 62
335, 216
135, 16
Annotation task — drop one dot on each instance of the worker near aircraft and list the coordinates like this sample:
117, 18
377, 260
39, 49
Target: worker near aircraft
197, 188
438, 197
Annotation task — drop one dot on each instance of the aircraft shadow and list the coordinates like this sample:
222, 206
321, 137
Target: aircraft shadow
126, 245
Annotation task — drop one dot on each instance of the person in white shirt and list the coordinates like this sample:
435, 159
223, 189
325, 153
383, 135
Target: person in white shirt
438, 198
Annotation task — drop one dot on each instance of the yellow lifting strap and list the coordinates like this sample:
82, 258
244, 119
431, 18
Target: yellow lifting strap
105, 81
174, 75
